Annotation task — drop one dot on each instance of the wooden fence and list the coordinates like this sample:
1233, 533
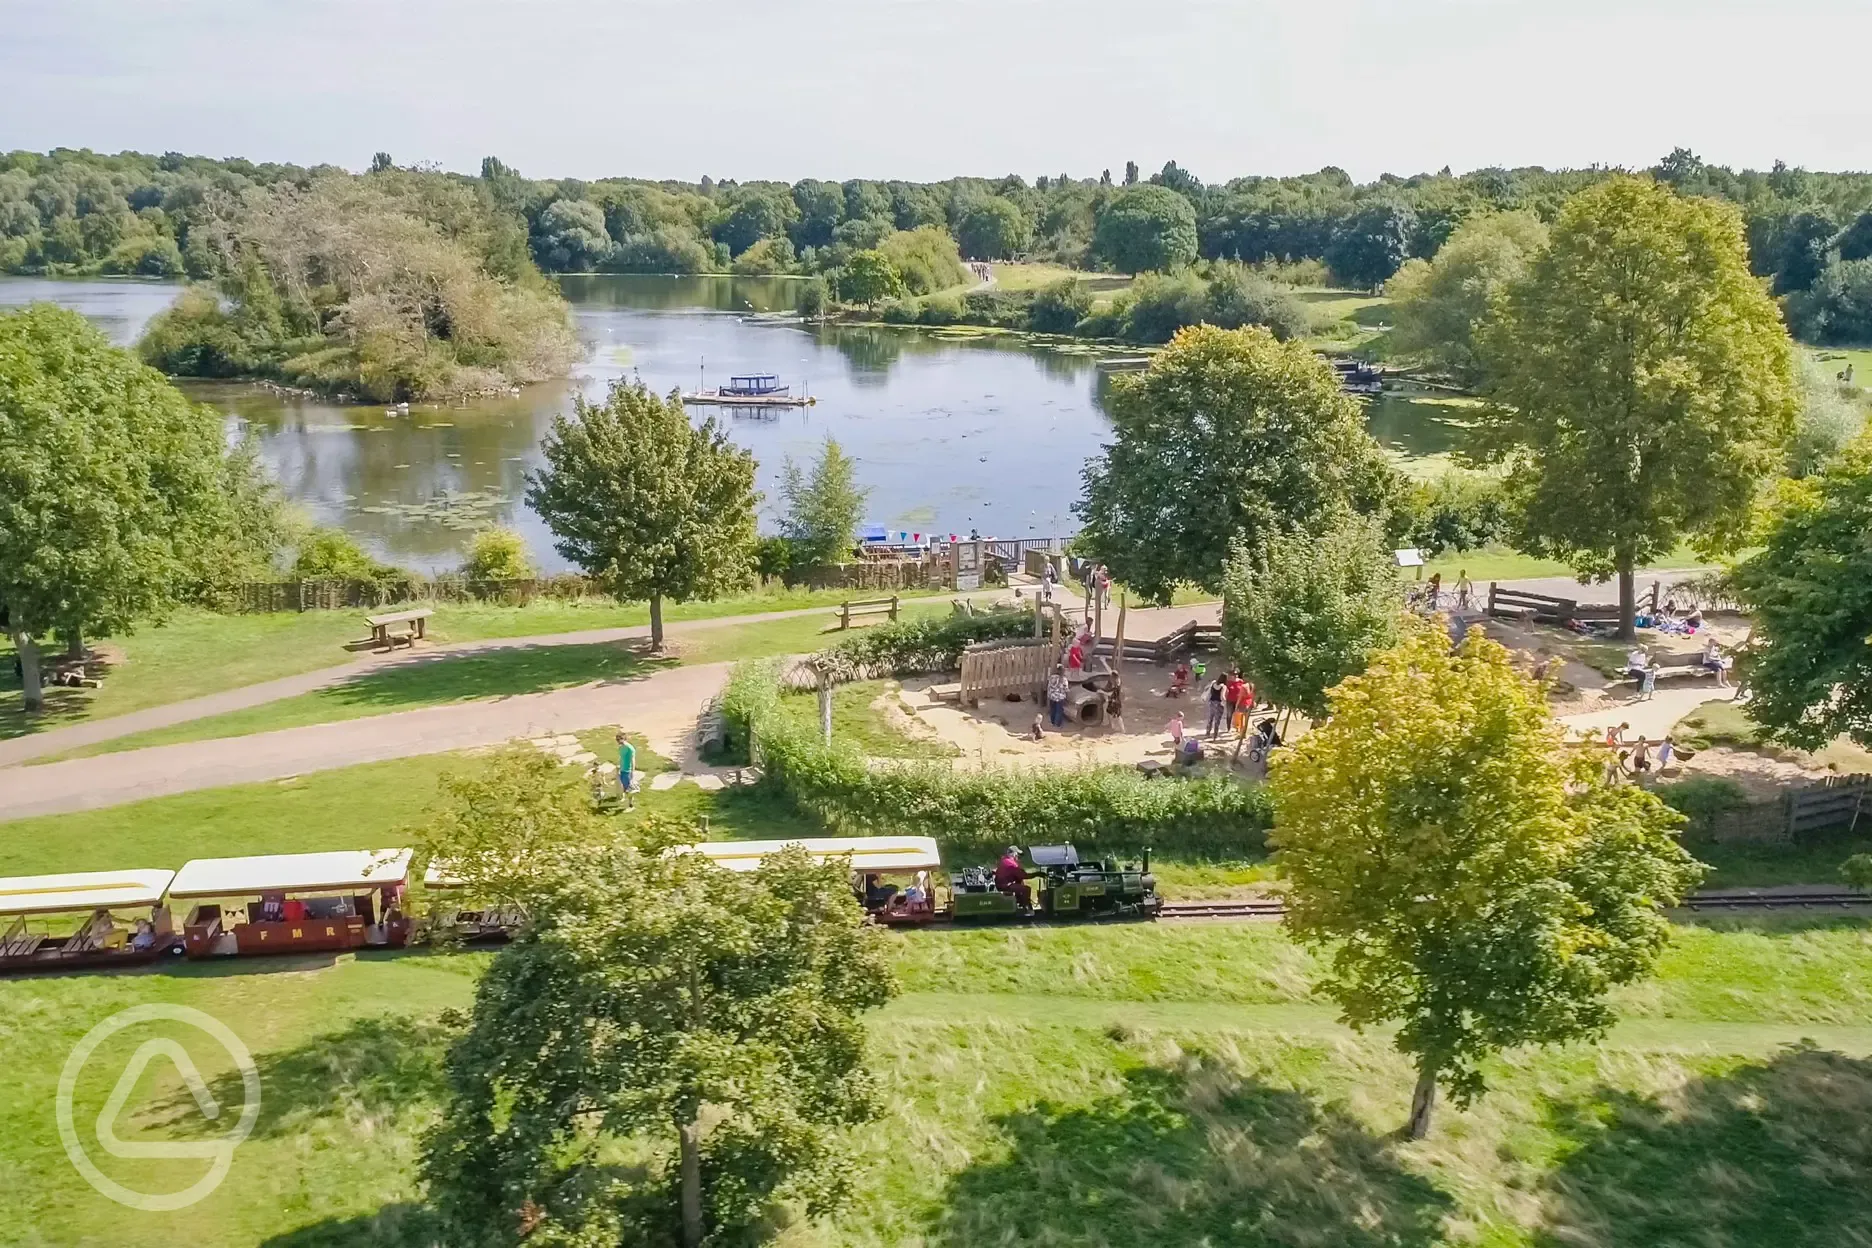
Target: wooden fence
879, 574
995, 669
1837, 802
1547, 609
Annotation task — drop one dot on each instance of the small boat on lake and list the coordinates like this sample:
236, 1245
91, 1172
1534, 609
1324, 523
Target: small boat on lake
751, 390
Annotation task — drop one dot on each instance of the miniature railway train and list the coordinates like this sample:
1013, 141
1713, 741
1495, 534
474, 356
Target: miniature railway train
360, 899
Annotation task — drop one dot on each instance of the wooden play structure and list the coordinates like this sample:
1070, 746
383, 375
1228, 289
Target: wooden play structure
998, 669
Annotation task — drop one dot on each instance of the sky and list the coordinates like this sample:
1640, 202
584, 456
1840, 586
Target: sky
928, 89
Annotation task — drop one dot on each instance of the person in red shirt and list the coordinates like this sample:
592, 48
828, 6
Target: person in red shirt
1233, 693
1011, 877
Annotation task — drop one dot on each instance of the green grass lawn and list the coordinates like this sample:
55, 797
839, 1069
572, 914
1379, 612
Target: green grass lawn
197, 653
855, 718
1017, 277
490, 674
1173, 1085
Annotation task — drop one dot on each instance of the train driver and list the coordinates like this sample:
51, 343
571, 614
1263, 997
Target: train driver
1011, 877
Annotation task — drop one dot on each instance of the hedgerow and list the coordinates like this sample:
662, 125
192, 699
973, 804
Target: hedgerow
922, 644
974, 813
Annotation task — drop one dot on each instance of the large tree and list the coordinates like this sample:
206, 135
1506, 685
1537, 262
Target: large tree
646, 503
1438, 304
823, 506
116, 492
1809, 593
668, 1048
1641, 382
1308, 615
1372, 244
993, 228
1466, 882
1145, 228
1229, 437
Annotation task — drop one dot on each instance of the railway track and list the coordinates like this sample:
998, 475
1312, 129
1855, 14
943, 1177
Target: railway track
1273, 908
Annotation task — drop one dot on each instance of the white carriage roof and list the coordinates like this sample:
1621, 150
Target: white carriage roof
275, 873
83, 890
868, 853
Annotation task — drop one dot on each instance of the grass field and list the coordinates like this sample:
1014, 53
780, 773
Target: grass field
199, 653
855, 718
1017, 277
491, 674
1099, 1087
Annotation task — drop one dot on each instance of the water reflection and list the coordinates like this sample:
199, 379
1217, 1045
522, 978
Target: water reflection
951, 429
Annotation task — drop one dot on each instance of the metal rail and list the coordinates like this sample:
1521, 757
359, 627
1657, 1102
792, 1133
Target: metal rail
1273, 908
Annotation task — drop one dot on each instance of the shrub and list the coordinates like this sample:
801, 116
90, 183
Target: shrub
498, 555
1457, 512
1006, 308
1700, 799
1059, 308
333, 554
899, 312
922, 644
1162, 304
975, 813
941, 310
1239, 297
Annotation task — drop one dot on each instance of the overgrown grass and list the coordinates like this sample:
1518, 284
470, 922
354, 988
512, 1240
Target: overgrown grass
857, 719
197, 652
1088, 1086
1814, 861
1018, 277
1723, 721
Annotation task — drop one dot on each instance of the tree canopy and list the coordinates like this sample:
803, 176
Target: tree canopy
1311, 611
1439, 304
1369, 247
870, 277
1145, 228
1466, 883
705, 1025
993, 228
1229, 438
116, 492
1809, 593
1641, 382
823, 508
646, 503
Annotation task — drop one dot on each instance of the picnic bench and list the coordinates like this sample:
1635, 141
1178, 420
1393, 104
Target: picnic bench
399, 627
859, 607
1672, 665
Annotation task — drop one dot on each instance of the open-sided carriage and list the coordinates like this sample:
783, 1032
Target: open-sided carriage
892, 876
1062, 887
125, 921
294, 903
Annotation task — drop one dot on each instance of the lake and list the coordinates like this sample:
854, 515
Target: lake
952, 430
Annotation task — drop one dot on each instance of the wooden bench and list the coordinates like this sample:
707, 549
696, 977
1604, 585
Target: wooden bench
1670, 666
859, 607
399, 627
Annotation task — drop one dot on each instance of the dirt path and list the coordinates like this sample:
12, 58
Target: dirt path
662, 705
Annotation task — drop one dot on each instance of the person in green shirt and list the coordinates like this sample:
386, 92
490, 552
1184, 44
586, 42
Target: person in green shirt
627, 770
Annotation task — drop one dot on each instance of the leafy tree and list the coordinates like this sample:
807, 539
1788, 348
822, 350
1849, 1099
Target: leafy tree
646, 503
926, 257
822, 509
1238, 296
703, 1023
1145, 228
1471, 885
1372, 245
381, 163
1838, 310
769, 255
1131, 173
570, 236
1801, 256
1310, 614
993, 228
1439, 304
1809, 591
1641, 382
111, 486
1855, 241
1230, 436
498, 555
869, 277
1832, 415
754, 216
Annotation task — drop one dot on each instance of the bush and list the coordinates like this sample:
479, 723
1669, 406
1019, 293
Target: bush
1059, 308
899, 312
498, 555
1838, 310
1006, 308
332, 554
923, 644
973, 814
1701, 799
812, 299
1457, 512
941, 310
1239, 297
1162, 304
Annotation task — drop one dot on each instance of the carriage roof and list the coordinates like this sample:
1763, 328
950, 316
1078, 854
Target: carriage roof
868, 853
82, 890
277, 873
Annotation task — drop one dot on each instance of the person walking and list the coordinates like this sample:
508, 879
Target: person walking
1056, 696
1175, 729
1218, 706
627, 770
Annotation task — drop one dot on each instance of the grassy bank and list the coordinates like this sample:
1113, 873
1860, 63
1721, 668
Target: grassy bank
1066, 1086
198, 653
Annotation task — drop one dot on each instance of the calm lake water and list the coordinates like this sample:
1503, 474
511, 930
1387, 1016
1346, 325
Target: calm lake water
950, 431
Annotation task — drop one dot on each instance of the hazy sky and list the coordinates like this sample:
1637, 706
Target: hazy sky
926, 89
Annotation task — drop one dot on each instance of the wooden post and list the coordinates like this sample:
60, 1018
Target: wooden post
1118, 646
825, 703
893, 614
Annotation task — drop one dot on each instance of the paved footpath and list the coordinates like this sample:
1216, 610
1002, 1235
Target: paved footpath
662, 705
